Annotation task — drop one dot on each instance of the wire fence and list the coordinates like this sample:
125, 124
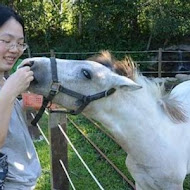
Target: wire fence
47, 174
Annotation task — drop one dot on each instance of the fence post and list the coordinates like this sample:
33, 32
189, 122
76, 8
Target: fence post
58, 151
160, 62
52, 53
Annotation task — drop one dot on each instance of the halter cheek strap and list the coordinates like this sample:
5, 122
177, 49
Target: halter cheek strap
56, 87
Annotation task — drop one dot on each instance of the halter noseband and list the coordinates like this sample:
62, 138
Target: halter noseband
56, 87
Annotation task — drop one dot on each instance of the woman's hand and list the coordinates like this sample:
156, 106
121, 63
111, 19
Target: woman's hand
18, 82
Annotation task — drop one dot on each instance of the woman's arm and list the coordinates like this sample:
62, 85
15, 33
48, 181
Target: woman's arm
15, 85
6, 105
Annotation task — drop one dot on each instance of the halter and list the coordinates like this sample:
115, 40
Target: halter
56, 87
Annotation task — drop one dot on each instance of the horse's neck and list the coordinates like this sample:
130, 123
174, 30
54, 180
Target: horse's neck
134, 121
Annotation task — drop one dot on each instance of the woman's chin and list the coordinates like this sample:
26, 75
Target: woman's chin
7, 67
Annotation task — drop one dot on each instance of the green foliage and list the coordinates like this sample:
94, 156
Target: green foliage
104, 20
86, 25
165, 19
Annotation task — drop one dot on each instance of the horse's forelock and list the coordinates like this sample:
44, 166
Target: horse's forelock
125, 67
104, 58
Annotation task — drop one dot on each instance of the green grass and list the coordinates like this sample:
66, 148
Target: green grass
82, 180
101, 169
44, 156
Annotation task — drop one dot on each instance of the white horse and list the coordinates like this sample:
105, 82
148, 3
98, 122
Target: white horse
153, 128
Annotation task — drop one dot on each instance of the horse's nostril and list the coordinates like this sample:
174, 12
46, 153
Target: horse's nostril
31, 63
35, 81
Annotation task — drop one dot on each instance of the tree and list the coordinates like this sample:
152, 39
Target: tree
78, 25
165, 20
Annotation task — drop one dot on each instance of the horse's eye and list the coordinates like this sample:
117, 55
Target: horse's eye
87, 74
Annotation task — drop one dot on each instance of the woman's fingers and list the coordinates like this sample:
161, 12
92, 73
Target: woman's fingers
19, 81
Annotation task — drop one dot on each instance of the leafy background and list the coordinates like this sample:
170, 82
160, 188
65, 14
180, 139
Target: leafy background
93, 25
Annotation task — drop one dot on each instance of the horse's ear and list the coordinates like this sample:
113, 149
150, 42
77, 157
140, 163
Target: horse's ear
124, 82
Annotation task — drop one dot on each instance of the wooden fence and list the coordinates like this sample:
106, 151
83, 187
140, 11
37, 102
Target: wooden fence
158, 59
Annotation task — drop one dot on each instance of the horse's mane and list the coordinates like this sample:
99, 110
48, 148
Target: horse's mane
126, 67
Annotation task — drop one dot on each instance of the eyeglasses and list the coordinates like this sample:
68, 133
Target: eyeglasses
19, 46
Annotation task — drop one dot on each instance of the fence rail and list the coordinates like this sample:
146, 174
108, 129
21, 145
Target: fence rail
160, 59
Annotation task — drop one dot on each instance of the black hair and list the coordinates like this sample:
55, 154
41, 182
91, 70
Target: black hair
7, 13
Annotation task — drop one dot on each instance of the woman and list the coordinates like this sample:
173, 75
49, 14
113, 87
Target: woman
16, 147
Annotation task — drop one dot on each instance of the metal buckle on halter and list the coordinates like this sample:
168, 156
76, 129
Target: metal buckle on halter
55, 87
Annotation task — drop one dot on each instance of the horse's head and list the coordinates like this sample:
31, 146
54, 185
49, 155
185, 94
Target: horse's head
84, 77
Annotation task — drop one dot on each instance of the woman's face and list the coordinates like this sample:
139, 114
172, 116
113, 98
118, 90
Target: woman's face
11, 36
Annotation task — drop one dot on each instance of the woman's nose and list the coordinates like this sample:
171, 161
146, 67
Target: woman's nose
14, 48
